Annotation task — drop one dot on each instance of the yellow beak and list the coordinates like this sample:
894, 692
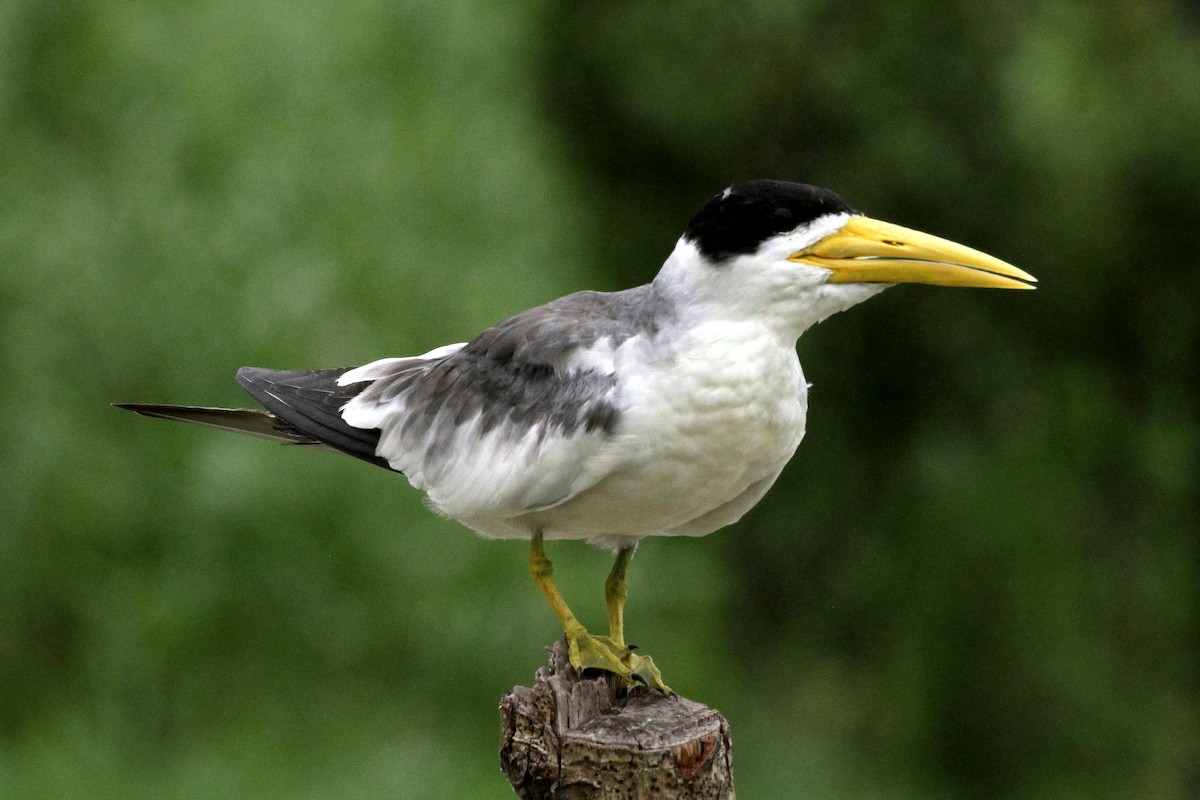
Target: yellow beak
866, 250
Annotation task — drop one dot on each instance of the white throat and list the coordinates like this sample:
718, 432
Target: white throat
784, 296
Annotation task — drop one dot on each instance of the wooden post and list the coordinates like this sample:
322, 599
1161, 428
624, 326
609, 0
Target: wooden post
571, 737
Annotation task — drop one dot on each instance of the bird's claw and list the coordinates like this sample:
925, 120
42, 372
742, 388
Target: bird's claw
643, 669
586, 651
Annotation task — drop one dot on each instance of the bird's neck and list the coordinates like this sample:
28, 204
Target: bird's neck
702, 292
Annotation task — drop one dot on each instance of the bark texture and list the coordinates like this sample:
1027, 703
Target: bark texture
573, 737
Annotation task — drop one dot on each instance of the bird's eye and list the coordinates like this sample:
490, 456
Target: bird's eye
782, 217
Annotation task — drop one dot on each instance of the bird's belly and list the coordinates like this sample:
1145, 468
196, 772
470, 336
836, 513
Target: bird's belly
726, 415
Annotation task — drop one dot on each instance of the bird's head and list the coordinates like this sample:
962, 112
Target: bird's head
802, 253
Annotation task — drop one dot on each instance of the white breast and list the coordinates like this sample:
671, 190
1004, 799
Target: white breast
706, 429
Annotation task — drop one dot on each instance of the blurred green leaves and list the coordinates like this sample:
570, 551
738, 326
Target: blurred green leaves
978, 578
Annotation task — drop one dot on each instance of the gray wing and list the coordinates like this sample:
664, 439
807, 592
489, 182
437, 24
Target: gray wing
507, 422
530, 370
509, 419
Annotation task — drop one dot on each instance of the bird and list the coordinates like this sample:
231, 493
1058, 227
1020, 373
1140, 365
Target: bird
668, 409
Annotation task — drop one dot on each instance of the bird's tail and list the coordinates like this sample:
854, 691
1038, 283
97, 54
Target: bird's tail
303, 407
253, 422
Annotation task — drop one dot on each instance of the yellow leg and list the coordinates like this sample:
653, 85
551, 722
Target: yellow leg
616, 592
584, 650
542, 571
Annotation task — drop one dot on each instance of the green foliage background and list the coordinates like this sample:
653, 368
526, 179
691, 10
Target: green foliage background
980, 577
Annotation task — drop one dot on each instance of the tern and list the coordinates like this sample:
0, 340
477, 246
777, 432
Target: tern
664, 410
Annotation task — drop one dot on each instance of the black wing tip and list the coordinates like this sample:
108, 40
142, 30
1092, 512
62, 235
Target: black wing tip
145, 409
186, 413
160, 408
311, 401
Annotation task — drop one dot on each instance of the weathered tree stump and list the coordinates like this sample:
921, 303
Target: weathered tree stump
573, 737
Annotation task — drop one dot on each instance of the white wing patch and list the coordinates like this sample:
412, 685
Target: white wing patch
484, 478
389, 366
599, 357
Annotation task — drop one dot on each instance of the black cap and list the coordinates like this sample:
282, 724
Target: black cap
738, 220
